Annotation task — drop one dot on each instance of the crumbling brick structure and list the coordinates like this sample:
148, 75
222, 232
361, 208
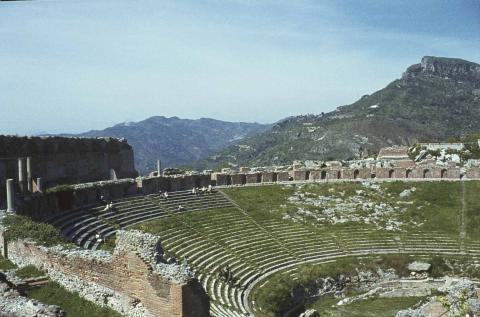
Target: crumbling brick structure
134, 274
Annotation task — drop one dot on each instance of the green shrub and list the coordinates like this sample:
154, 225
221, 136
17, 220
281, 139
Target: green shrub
109, 244
54, 294
59, 189
398, 262
5, 264
29, 271
21, 227
439, 267
276, 297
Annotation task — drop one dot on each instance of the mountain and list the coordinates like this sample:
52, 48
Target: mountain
175, 141
433, 100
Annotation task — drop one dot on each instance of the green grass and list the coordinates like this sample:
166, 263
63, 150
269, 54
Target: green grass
434, 207
274, 296
5, 264
261, 202
53, 294
21, 227
109, 244
374, 307
29, 271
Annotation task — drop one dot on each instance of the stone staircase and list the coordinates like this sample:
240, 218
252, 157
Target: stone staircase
82, 225
254, 249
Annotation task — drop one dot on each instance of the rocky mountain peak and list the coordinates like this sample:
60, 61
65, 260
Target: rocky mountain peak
448, 68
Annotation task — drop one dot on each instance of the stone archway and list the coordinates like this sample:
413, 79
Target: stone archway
391, 173
355, 174
427, 173
307, 175
323, 175
339, 175
443, 173
408, 173
274, 177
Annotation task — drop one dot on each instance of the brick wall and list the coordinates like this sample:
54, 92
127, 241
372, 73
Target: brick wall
125, 273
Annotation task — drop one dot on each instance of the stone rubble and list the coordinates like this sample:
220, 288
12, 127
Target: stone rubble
459, 298
363, 206
417, 266
12, 304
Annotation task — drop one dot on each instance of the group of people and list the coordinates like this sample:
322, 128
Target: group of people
196, 191
163, 194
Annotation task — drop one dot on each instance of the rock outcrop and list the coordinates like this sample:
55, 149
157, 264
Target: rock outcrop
445, 68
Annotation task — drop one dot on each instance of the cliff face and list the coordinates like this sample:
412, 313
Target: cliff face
59, 160
446, 68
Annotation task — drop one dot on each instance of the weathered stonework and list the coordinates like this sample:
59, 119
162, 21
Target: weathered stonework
133, 280
61, 160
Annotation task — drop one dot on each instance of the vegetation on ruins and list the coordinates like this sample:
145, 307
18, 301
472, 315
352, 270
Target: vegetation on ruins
59, 189
290, 224
373, 307
21, 227
54, 294
109, 244
280, 293
6, 264
29, 271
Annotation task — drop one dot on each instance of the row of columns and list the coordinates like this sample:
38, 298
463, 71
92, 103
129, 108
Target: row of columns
25, 182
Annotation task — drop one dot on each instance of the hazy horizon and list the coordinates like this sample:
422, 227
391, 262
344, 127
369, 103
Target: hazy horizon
74, 66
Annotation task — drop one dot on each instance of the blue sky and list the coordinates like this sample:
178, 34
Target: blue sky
76, 65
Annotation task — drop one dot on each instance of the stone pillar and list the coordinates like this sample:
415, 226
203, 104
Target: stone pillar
10, 196
39, 185
22, 179
29, 174
159, 168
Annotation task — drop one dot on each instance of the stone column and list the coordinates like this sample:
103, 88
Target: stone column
10, 196
39, 185
22, 179
159, 168
29, 174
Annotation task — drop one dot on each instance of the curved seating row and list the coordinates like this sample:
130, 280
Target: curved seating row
253, 249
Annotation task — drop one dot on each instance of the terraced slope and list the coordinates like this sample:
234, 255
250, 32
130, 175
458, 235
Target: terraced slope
247, 230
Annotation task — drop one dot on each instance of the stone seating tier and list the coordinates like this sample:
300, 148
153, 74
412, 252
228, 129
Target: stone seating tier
253, 249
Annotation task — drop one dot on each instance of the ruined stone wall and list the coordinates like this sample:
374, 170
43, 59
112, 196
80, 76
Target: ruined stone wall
43, 206
61, 160
120, 281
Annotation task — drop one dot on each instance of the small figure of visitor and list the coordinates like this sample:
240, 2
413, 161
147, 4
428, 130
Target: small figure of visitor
98, 237
165, 195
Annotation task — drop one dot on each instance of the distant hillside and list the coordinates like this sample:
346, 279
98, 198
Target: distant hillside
433, 100
177, 141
